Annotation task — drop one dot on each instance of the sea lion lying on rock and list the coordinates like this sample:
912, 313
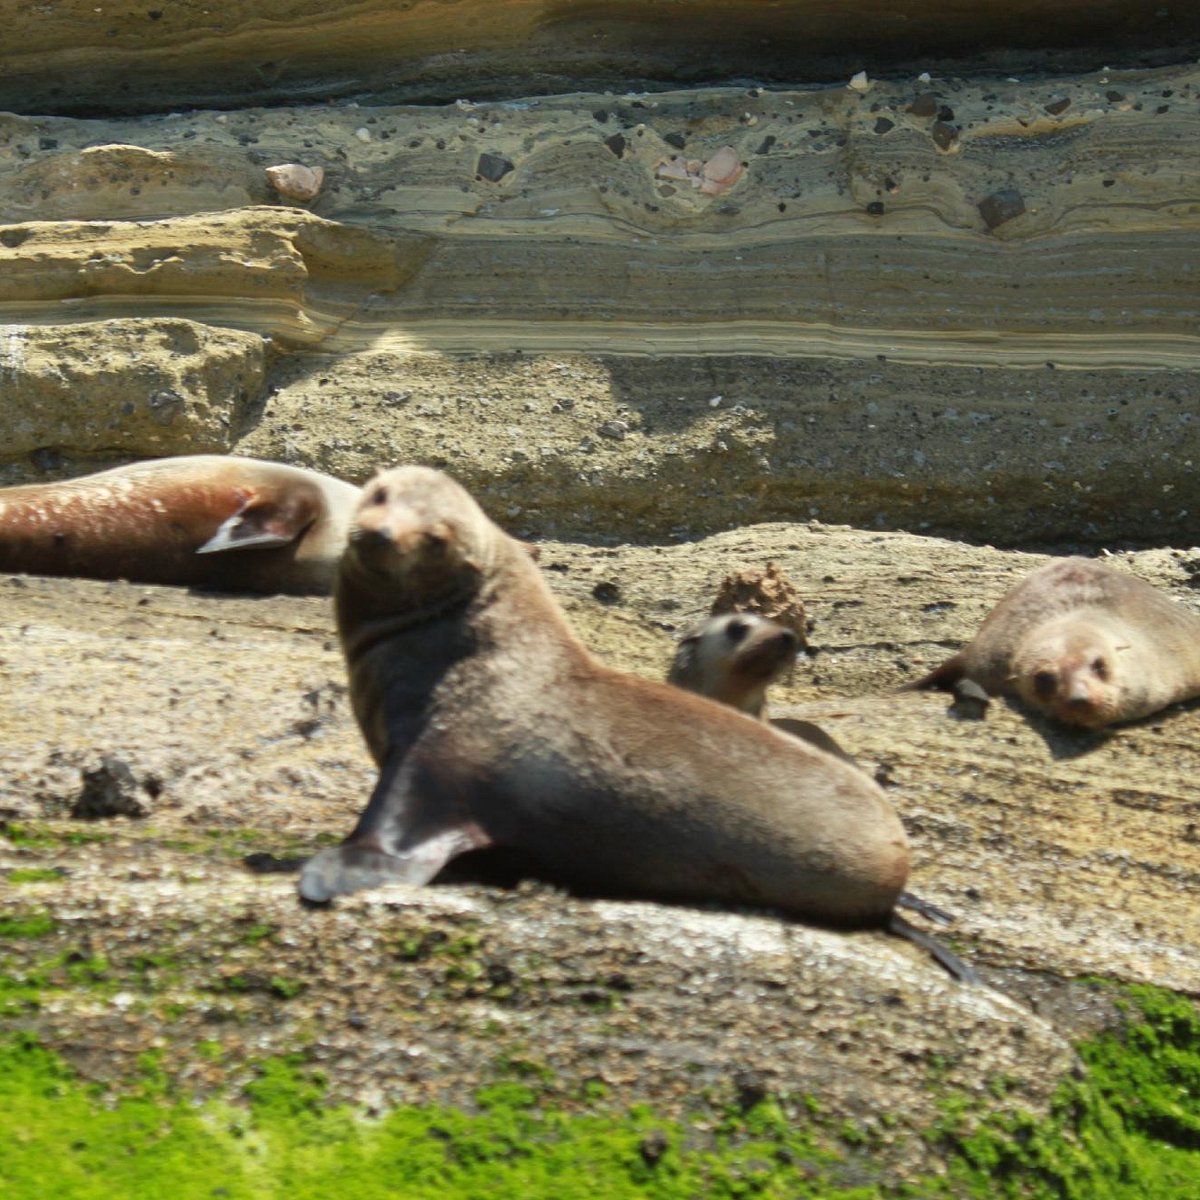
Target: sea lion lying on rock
1084, 643
178, 520
733, 659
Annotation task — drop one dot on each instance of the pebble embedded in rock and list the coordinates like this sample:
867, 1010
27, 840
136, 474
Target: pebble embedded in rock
1001, 206
109, 791
296, 181
925, 105
944, 136
492, 167
616, 144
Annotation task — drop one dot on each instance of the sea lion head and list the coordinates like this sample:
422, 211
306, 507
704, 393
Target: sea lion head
1070, 671
732, 658
417, 537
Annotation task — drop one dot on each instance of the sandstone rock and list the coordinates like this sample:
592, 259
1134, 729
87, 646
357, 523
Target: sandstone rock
126, 387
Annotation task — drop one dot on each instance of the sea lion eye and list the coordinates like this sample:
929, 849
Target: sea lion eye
735, 631
1044, 683
1100, 668
379, 496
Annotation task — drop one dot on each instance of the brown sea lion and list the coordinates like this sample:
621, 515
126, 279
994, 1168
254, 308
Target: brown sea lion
732, 659
180, 521
493, 726
1084, 643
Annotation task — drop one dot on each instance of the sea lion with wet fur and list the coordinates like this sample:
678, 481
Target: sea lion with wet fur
733, 658
1084, 643
493, 726
203, 520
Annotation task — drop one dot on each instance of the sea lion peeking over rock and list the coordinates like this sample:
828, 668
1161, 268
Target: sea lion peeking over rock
493, 726
180, 521
1083, 643
733, 659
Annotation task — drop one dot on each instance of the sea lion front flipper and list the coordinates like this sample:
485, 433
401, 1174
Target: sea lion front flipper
398, 839
259, 524
806, 731
962, 971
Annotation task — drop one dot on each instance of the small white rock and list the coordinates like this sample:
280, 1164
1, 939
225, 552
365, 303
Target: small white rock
363, 133
296, 181
859, 82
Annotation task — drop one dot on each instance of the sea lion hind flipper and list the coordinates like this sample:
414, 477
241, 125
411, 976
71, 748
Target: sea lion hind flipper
355, 865
925, 907
259, 524
942, 677
806, 731
962, 971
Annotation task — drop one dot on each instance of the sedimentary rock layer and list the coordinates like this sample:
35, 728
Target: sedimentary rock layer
962, 307
75, 56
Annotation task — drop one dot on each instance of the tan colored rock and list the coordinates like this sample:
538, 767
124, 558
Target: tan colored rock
126, 387
767, 592
296, 181
129, 182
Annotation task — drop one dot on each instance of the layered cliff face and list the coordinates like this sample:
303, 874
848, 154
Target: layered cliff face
858, 327
957, 307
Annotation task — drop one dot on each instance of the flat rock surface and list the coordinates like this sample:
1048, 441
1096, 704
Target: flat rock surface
1064, 856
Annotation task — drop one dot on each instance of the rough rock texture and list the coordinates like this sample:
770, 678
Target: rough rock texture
866, 327
958, 306
1063, 855
135, 387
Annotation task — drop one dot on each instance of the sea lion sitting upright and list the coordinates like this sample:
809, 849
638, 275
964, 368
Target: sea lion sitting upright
493, 726
1084, 643
178, 520
733, 658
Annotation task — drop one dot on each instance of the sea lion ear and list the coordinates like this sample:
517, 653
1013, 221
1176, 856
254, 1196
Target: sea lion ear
258, 524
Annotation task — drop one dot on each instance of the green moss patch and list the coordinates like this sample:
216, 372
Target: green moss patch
1130, 1129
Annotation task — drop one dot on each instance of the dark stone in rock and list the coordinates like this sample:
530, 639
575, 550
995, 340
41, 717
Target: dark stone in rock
678, 140
944, 136
1058, 106
606, 592
109, 791
875, 208
923, 106
1001, 206
883, 125
616, 144
492, 167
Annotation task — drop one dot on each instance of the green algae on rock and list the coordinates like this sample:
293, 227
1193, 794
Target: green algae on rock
1129, 1128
